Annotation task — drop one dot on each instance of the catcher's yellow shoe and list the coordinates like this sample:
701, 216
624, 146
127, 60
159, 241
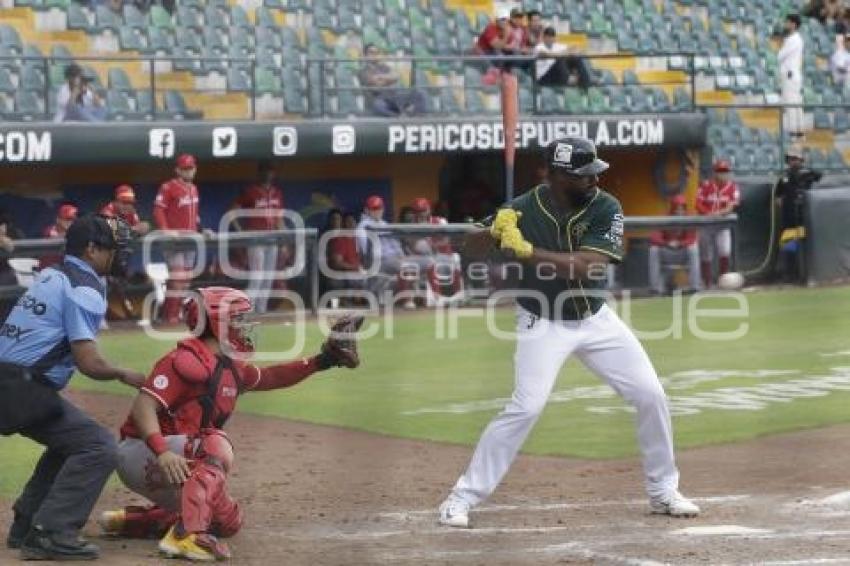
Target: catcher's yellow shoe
201, 547
112, 522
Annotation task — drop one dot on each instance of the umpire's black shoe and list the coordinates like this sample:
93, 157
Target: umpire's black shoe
43, 545
18, 531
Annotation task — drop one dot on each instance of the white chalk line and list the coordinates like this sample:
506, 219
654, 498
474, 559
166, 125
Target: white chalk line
844, 560
572, 549
414, 513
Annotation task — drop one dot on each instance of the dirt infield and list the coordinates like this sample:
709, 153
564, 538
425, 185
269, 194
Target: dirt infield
318, 495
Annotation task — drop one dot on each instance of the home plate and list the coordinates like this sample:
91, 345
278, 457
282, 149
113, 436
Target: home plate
720, 530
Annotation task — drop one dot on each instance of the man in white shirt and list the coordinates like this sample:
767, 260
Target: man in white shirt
790, 58
76, 101
839, 63
554, 64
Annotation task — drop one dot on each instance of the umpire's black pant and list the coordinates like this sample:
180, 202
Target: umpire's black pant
79, 457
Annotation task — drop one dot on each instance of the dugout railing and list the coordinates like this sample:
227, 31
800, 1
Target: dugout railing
305, 279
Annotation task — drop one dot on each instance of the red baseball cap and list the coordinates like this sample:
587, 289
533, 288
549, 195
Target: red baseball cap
374, 202
722, 166
125, 193
186, 161
67, 212
421, 205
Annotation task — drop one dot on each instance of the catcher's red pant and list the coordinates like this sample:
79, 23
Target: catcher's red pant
202, 502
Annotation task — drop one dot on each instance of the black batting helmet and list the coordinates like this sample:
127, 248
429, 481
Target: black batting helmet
575, 155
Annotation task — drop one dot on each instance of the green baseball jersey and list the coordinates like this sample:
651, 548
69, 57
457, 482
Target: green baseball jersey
595, 227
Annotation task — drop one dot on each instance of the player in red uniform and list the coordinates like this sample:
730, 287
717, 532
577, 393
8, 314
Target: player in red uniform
173, 450
175, 210
673, 247
717, 196
64, 218
265, 202
123, 205
446, 267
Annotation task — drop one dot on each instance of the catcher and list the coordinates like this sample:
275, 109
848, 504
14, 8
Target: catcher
173, 450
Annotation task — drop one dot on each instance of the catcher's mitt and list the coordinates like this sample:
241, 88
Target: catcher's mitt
340, 349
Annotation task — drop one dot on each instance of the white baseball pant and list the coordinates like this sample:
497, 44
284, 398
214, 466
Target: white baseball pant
714, 240
608, 348
792, 94
262, 262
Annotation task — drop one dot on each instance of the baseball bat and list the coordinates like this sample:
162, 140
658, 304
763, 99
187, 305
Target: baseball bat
510, 116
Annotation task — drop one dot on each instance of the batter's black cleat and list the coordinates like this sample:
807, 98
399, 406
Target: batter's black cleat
18, 531
43, 545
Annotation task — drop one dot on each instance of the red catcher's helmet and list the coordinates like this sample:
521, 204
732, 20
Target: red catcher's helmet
186, 161
374, 202
722, 166
225, 310
421, 205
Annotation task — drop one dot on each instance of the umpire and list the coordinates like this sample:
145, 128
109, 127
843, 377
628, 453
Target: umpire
49, 333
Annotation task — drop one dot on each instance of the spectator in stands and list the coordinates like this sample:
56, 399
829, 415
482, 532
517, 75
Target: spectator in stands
790, 58
839, 63
175, 211
554, 67
842, 26
342, 253
674, 247
385, 96
65, 216
123, 205
535, 28
262, 206
717, 196
791, 194
76, 100
506, 35
825, 11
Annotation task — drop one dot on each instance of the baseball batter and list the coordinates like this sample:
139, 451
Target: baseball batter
565, 233
173, 449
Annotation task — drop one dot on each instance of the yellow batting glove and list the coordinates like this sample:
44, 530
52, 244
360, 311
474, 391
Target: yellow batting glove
513, 241
506, 219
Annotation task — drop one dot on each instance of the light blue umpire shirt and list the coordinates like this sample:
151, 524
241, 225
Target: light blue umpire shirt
65, 303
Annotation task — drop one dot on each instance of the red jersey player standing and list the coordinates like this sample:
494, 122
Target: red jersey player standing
263, 204
717, 196
173, 450
123, 206
446, 268
64, 218
175, 210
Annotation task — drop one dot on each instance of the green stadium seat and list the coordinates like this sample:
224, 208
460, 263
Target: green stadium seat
106, 19
78, 20
160, 39
550, 101
118, 106
133, 17
347, 103
215, 60
176, 108
474, 103
239, 18
218, 16
574, 102
294, 102
323, 17
822, 120
132, 39
160, 18
215, 36
841, 121
188, 18
265, 18
835, 160
32, 77
238, 80
118, 80
10, 39
448, 103
145, 105
29, 106
267, 80
596, 101
346, 18
7, 86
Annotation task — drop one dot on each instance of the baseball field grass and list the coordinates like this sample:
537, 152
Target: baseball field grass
789, 370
